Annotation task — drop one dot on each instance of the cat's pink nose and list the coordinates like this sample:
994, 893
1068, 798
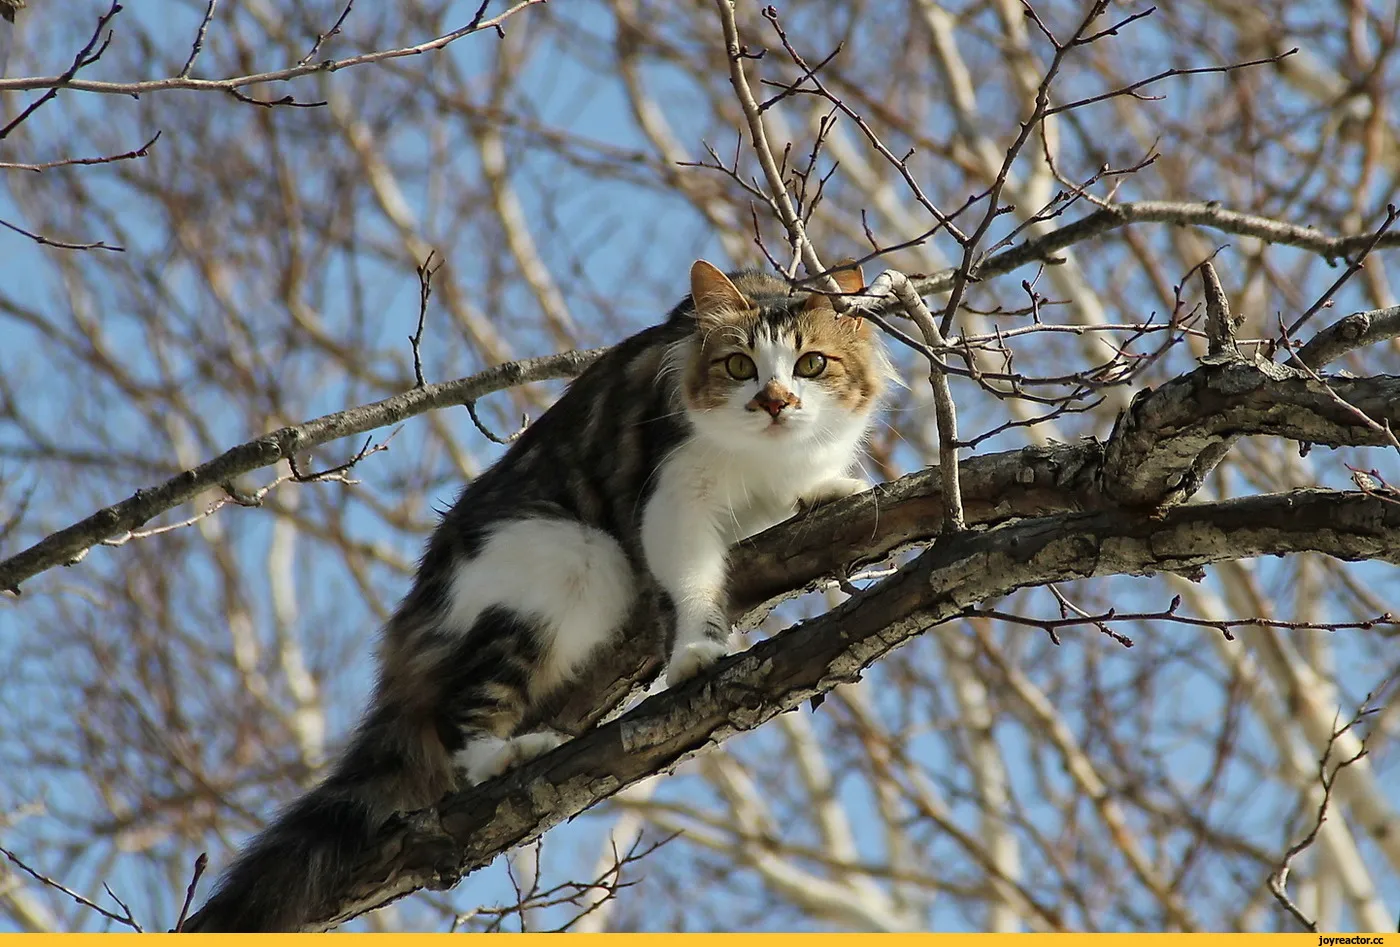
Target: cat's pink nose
773, 398
773, 406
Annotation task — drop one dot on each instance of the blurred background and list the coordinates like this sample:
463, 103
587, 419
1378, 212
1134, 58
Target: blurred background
164, 696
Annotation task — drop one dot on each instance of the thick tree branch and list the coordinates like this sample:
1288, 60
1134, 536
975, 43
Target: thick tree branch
1355, 331
434, 848
1162, 447
1170, 438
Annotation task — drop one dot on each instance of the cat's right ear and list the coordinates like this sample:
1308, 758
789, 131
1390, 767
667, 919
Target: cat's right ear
714, 294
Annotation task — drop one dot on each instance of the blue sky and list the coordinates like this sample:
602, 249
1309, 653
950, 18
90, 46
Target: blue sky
606, 227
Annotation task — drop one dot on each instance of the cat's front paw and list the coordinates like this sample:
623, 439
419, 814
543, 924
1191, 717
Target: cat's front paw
690, 659
837, 488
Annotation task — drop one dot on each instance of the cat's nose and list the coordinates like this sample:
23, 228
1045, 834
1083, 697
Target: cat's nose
772, 398
773, 406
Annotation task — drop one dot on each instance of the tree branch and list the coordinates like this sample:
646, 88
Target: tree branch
1200, 214
234, 83
435, 848
67, 544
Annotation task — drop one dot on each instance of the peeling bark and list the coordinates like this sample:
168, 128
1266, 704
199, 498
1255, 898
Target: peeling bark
435, 848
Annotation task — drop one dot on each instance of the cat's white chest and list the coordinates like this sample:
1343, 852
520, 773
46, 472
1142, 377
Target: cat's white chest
744, 491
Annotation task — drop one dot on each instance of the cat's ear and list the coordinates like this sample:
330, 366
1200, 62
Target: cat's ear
847, 275
713, 293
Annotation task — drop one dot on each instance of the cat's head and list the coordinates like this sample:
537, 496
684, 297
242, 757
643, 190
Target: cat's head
768, 365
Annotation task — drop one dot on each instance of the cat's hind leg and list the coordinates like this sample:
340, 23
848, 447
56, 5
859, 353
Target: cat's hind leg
539, 597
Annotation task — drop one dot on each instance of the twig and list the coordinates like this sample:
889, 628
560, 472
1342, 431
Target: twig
1391, 215
1067, 406
758, 137
198, 46
900, 164
85, 57
895, 283
1225, 626
46, 880
609, 882
12, 521
1355, 331
144, 87
963, 274
61, 244
425, 272
66, 162
123, 905
1167, 74
1278, 878
334, 473
486, 431
1382, 429
288, 101
322, 37
252, 500
1201, 214
200, 863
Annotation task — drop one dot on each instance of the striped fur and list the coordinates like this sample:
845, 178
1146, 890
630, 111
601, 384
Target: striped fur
625, 495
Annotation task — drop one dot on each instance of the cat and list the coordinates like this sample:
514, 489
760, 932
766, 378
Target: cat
751, 401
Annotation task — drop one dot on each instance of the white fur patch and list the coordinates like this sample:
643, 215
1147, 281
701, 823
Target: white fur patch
689, 660
487, 757
574, 580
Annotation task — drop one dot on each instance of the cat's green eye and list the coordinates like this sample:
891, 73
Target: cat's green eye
810, 365
740, 366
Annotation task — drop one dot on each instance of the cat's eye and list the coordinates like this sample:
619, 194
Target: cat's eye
810, 365
740, 366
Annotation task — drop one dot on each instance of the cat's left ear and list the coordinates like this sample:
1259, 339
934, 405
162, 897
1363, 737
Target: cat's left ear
714, 294
851, 280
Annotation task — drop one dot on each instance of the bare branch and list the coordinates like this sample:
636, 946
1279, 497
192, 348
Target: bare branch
59, 244
86, 57
1353, 332
335, 31
66, 162
1327, 778
126, 920
234, 83
1220, 324
758, 137
1165, 74
200, 864
198, 45
67, 544
1391, 215
425, 272
892, 282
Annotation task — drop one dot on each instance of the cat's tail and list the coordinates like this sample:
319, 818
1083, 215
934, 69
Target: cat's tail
287, 877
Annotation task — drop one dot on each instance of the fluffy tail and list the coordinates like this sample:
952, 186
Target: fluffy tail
287, 877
